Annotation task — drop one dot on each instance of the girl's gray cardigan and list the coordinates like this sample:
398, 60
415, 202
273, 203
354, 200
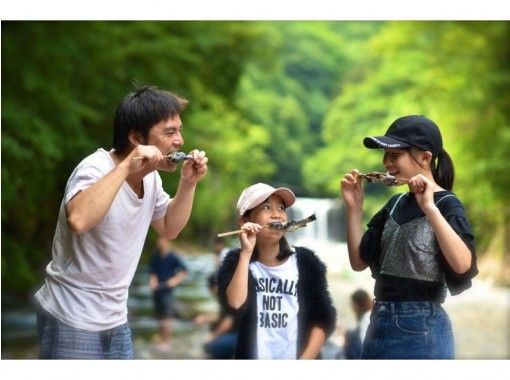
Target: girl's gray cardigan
315, 304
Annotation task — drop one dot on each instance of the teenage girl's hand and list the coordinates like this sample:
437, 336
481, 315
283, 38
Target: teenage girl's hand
352, 189
248, 237
423, 190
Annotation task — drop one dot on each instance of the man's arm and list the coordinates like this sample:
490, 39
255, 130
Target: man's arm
179, 209
87, 208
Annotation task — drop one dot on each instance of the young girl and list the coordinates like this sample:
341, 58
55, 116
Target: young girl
418, 245
279, 293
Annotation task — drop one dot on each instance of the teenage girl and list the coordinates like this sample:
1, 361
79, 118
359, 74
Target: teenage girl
417, 246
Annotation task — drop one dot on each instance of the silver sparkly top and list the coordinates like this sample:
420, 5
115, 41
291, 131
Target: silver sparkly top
410, 250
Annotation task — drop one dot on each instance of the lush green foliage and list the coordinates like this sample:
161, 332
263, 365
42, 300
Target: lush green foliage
280, 102
457, 73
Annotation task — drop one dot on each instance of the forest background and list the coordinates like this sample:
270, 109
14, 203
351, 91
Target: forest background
284, 102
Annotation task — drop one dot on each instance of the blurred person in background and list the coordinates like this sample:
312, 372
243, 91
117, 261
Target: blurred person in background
361, 304
167, 271
220, 342
220, 249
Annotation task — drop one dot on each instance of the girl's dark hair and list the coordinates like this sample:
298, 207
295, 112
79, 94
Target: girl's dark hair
441, 167
443, 171
140, 110
285, 251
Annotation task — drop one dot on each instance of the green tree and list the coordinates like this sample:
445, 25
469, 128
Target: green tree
454, 72
61, 82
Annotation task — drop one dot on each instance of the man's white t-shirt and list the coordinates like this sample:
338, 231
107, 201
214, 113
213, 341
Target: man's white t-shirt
277, 309
88, 278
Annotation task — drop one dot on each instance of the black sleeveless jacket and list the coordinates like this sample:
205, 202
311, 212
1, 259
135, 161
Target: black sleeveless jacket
315, 304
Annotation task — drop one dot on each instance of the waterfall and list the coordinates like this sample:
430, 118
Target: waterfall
329, 225
326, 235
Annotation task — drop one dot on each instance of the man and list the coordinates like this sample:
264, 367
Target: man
167, 270
110, 200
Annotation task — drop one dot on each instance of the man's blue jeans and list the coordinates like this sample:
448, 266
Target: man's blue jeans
58, 340
408, 330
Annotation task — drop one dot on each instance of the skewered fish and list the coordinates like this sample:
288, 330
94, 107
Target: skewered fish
177, 157
384, 178
289, 226
174, 157
292, 225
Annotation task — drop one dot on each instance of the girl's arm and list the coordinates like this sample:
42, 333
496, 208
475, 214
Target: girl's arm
237, 289
454, 249
314, 344
352, 193
354, 235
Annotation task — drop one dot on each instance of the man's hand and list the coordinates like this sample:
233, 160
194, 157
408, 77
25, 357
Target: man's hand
194, 170
147, 158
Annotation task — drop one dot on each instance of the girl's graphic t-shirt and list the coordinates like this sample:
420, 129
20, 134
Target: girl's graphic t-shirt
277, 309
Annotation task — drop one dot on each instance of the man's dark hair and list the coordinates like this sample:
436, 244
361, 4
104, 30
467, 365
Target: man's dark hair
140, 111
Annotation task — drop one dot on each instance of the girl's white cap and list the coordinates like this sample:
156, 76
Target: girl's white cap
256, 194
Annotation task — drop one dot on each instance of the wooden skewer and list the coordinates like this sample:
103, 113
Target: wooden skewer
141, 158
287, 227
230, 233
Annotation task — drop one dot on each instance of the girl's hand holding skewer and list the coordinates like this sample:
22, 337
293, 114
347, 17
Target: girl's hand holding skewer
248, 237
352, 189
423, 190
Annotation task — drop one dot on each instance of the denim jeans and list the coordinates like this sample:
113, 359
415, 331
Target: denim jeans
408, 330
58, 340
222, 347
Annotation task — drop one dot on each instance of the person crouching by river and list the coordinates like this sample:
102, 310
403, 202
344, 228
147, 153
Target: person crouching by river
279, 293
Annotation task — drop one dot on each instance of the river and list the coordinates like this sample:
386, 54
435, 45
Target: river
480, 316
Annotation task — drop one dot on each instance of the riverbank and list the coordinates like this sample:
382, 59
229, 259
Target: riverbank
476, 336
480, 316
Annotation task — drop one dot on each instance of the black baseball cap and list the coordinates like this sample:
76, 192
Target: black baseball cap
407, 131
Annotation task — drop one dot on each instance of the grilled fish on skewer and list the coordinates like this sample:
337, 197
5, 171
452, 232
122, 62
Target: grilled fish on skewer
384, 178
179, 156
292, 225
175, 157
287, 227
